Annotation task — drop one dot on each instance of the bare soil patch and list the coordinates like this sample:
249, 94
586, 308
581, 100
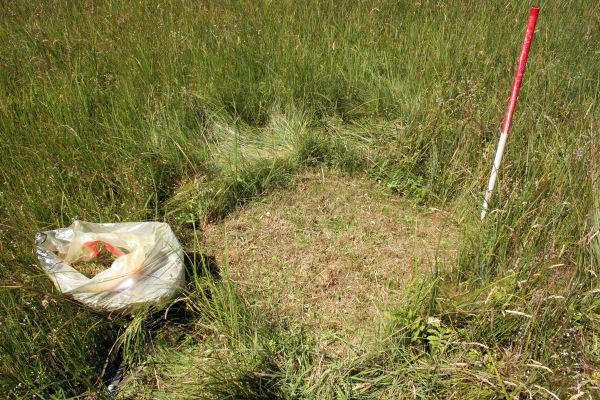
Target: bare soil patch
335, 252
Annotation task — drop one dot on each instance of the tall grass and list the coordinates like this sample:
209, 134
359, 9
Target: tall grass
181, 111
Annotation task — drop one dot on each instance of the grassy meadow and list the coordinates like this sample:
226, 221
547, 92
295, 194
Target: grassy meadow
183, 111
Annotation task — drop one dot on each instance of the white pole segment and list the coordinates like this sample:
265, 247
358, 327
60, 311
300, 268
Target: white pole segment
494, 174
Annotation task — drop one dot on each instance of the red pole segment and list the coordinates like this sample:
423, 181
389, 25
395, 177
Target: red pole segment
533, 14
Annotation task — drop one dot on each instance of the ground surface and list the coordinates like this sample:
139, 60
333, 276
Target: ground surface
335, 252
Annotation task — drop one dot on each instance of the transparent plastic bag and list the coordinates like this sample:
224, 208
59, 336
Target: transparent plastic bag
147, 267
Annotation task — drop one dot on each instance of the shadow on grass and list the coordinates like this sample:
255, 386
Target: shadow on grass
200, 264
144, 329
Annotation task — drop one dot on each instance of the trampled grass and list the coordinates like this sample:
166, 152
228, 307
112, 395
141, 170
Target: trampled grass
183, 111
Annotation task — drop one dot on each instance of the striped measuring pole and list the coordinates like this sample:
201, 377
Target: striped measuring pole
533, 15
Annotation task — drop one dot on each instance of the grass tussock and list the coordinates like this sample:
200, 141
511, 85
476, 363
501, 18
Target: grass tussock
183, 111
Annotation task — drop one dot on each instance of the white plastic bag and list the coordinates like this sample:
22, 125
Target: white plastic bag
148, 267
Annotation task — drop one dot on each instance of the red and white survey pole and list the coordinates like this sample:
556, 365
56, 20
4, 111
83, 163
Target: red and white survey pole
533, 14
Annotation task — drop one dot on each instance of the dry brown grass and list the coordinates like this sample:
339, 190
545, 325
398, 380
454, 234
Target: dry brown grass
334, 253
